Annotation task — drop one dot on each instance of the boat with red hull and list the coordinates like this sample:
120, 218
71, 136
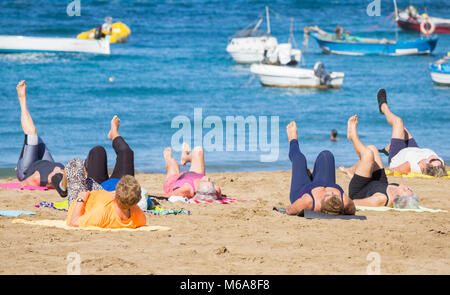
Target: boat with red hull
410, 20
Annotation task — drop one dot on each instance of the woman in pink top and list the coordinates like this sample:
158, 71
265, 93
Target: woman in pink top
189, 183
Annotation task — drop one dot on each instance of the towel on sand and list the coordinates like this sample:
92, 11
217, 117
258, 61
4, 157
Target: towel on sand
15, 213
382, 209
62, 224
18, 185
62, 206
223, 200
309, 214
413, 174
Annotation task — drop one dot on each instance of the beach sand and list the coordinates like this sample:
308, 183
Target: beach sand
245, 237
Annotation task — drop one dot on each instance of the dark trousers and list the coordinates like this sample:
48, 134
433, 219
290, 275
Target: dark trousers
97, 163
323, 173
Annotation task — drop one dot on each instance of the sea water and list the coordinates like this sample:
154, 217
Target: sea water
175, 61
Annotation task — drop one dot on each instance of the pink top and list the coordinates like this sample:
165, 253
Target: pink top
187, 177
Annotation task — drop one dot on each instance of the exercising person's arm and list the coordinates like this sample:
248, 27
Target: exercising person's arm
79, 208
404, 168
305, 202
185, 191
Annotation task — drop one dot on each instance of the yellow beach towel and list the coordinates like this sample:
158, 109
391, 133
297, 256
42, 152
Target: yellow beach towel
62, 224
413, 174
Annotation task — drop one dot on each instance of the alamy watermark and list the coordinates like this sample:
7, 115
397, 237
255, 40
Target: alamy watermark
374, 267
214, 139
74, 265
74, 8
374, 8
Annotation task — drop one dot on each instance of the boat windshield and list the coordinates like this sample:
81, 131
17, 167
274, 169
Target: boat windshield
250, 33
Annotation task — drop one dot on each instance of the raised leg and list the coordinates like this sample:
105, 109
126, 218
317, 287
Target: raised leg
300, 176
324, 168
124, 154
96, 164
197, 159
171, 164
366, 156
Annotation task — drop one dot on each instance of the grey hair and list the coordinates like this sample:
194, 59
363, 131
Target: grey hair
206, 191
406, 201
436, 171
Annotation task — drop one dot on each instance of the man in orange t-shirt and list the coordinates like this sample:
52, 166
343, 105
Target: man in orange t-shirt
108, 209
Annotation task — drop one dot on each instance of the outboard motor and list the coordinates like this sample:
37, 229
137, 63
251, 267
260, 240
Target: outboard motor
319, 72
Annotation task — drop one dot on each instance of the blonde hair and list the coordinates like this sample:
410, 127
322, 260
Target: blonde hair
128, 192
436, 171
332, 205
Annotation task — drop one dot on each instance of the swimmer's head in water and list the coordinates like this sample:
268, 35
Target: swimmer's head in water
331, 203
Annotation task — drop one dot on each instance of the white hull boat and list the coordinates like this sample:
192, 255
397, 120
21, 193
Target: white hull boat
12, 44
440, 78
295, 77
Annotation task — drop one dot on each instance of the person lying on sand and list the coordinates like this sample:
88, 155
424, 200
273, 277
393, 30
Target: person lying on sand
317, 191
92, 173
35, 166
189, 183
404, 154
369, 184
89, 203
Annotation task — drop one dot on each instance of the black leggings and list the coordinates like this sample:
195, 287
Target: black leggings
96, 162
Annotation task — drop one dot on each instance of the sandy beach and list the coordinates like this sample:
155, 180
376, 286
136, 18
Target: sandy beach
245, 237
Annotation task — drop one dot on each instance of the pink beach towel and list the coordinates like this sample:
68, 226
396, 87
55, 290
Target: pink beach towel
18, 185
224, 200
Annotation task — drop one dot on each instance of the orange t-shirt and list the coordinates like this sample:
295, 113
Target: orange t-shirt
100, 211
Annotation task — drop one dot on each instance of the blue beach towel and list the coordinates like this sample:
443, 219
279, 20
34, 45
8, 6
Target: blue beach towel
15, 213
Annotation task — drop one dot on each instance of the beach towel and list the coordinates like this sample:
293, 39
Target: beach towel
382, 209
15, 213
309, 214
160, 211
62, 224
18, 185
62, 206
223, 200
413, 174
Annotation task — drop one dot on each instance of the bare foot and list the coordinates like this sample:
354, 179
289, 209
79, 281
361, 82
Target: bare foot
351, 127
185, 150
167, 154
114, 131
22, 92
346, 171
291, 130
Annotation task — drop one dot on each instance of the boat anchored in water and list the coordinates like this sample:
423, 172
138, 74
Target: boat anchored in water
440, 71
20, 44
249, 46
347, 44
410, 20
296, 77
118, 32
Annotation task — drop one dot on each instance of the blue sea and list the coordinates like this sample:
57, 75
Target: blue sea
175, 62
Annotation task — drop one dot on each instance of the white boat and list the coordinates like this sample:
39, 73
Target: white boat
440, 71
295, 77
249, 46
42, 44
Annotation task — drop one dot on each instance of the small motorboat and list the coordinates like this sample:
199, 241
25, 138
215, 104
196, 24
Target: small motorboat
440, 71
249, 46
13, 44
354, 45
118, 32
296, 77
410, 20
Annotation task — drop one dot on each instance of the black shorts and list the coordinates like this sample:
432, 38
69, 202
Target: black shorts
363, 187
